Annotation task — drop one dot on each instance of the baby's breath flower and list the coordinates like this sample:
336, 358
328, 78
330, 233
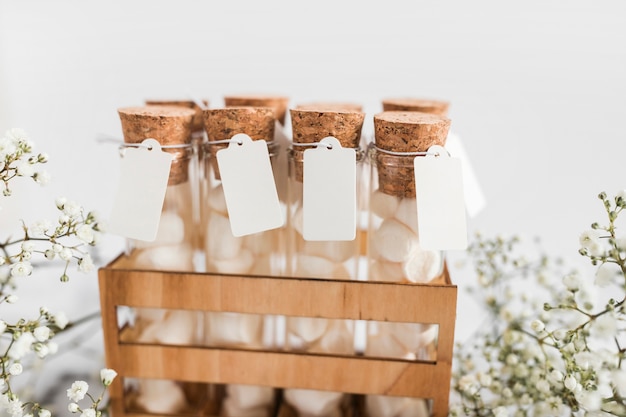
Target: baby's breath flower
41, 333
77, 391
39, 228
606, 274
500, 412
605, 326
12, 298
85, 264
537, 325
3, 326
21, 269
65, 254
21, 346
90, 412
72, 209
73, 407
41, 177
16, 368
24, 169
60, 320
570, 382
572, 281
15, 408
85, 233
44, 413
107, 376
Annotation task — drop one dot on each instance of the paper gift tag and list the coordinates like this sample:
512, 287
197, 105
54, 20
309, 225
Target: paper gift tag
440, 206
474, 197
329, 192
144, 172
249, 187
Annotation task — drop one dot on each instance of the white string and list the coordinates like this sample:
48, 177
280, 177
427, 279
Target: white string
314, 144
122, 144
404, 153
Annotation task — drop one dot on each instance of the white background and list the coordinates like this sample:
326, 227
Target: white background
537, 89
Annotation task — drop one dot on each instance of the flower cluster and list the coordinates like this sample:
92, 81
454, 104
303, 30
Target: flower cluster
556, 350
17, 160
65, 240
80, 389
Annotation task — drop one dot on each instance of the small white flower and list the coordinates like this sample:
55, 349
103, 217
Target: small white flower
591, 240
537, 326
16, 135
77, 391
620, 242
589, 400
42, 177
60, 202
21, 269
512, 359
39, 228
468, 384
606, 273
60, 319
53, 348
44, 413
570, 382
90, 412
107, 376
57, 248
86, 264
3, 326
72, 407
15, 408
543, 386
16, 368
41, 350
572, 281
65, 254
63, 219
555, 376
50, 254
72, 209
618, 378
41, 333
28, 246
500, 412
21, 346
12, 298
85, 233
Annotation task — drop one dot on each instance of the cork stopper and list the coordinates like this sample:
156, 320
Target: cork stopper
399, 131
223, 124
313, 125
438, 107
330, 106
197, 122
169, 125
277, 103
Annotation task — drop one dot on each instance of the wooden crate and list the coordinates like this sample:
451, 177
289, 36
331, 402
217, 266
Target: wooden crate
380, 301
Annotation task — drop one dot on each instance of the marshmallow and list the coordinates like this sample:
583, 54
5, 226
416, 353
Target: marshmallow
233, 329
414, 407
338, 252
220, 242
239, 265
383, 406
341, 272
171, 231
307, 328
165, 258
394, 241
383, 205
217, 201
423, 266
264, 265
161, 396
250, 396
178, 328
338, 340
308, 266
407, 213
381, 345
385, 271
263, 243
230, 409
312, 403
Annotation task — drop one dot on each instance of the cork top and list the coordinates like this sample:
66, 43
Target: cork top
197, 123
313, 125
277, 103
404, 131
413, 104
169, 125
223, 124
330, 106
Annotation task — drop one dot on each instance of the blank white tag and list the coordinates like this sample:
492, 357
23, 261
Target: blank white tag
249, 187
329, 192
474, 197
440, 205
144, 172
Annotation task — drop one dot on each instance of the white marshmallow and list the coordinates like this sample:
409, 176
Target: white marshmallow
264, 265
233, 329
381, 345
217, 201
165, 258
338, 340
383, 406
308, 266
338, 252
239, 265
407, 213
178, 328
383, 205
414, 407
250, 396
308, 329
161, 396
422, 266
385, 271
230, 409
220, 242
171, 231
394, 241
262, 243
314, 403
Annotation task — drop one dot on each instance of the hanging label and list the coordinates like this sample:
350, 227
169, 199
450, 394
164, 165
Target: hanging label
329, 192
144, 172
249, 186
474, 197
440, 206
